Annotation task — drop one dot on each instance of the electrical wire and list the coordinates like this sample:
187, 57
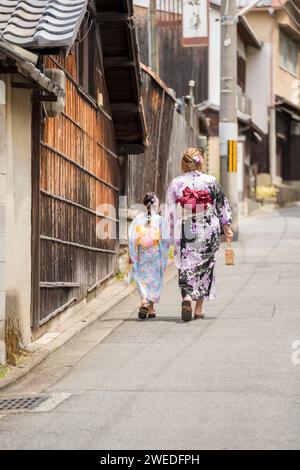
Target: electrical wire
85, 20
85, 35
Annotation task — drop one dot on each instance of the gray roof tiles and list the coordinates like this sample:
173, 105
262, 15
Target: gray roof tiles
41, 23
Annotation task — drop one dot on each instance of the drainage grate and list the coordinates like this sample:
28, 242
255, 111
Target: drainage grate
21, 403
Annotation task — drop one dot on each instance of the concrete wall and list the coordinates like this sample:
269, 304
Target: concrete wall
261, 23
259, 69
267, 29
258, 84
18, 194
214, 156
2, 219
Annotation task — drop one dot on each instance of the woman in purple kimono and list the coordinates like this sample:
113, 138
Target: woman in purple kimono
199, 214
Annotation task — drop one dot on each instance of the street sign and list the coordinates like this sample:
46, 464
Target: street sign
195, 23
232, 156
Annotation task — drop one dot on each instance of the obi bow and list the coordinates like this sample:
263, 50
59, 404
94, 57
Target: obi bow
193, 198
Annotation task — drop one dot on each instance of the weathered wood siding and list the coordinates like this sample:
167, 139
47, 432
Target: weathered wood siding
177, 64
79, 173
169, 134
183, 135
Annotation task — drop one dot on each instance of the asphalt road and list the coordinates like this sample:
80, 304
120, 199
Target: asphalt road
231, 381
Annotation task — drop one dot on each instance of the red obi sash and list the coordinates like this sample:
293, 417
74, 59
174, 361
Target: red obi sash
193, 198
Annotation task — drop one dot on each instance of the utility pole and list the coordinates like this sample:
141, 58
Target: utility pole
153, 43
228, 125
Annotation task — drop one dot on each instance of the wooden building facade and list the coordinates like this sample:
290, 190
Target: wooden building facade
76, 168
77, 190
170, 131
177, 64
76, 174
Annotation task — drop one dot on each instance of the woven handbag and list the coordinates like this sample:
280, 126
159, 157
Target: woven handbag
229, 255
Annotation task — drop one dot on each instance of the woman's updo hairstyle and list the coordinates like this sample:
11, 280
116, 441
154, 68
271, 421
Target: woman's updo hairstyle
192, 160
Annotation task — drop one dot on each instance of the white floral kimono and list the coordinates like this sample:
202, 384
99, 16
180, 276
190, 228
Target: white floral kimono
149, 255
197, 210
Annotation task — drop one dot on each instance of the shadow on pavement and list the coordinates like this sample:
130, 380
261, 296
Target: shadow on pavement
159, 319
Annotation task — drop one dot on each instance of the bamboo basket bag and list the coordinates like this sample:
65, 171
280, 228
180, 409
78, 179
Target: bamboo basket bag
229, 255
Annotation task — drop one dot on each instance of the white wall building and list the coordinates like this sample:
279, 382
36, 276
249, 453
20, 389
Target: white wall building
252, 109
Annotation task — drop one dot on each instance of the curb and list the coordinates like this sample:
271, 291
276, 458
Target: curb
261, 210
37, 356
269, 208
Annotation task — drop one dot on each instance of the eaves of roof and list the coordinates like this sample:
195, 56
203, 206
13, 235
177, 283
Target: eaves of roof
26, 65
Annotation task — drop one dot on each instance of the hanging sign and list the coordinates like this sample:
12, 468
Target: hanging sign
195, 23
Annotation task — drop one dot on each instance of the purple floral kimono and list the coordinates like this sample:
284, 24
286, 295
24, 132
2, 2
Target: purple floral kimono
196, 229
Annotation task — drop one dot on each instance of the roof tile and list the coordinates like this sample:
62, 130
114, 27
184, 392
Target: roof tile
41, 23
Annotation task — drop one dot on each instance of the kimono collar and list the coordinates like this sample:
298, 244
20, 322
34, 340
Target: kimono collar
195, 171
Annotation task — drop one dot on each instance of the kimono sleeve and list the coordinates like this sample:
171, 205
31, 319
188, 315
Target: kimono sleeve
133, 248
173, 226
222, 206
164, 243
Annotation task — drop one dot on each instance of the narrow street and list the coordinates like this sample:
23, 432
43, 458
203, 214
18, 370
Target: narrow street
226, 382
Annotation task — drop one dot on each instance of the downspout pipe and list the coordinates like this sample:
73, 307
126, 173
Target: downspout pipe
2, 219
272, 112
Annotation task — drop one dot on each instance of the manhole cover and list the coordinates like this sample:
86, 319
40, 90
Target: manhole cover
21, 403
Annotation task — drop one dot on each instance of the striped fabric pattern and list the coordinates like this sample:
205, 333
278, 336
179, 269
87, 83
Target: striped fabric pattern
41, 23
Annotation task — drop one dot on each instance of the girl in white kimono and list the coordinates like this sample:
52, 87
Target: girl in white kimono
149, 255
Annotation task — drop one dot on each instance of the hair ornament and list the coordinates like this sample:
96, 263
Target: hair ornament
197, 158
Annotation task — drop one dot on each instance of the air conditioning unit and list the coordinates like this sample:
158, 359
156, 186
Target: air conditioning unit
55, 108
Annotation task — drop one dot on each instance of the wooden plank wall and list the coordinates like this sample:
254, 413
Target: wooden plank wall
177, 64
169, 134
183, 135
79, 172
